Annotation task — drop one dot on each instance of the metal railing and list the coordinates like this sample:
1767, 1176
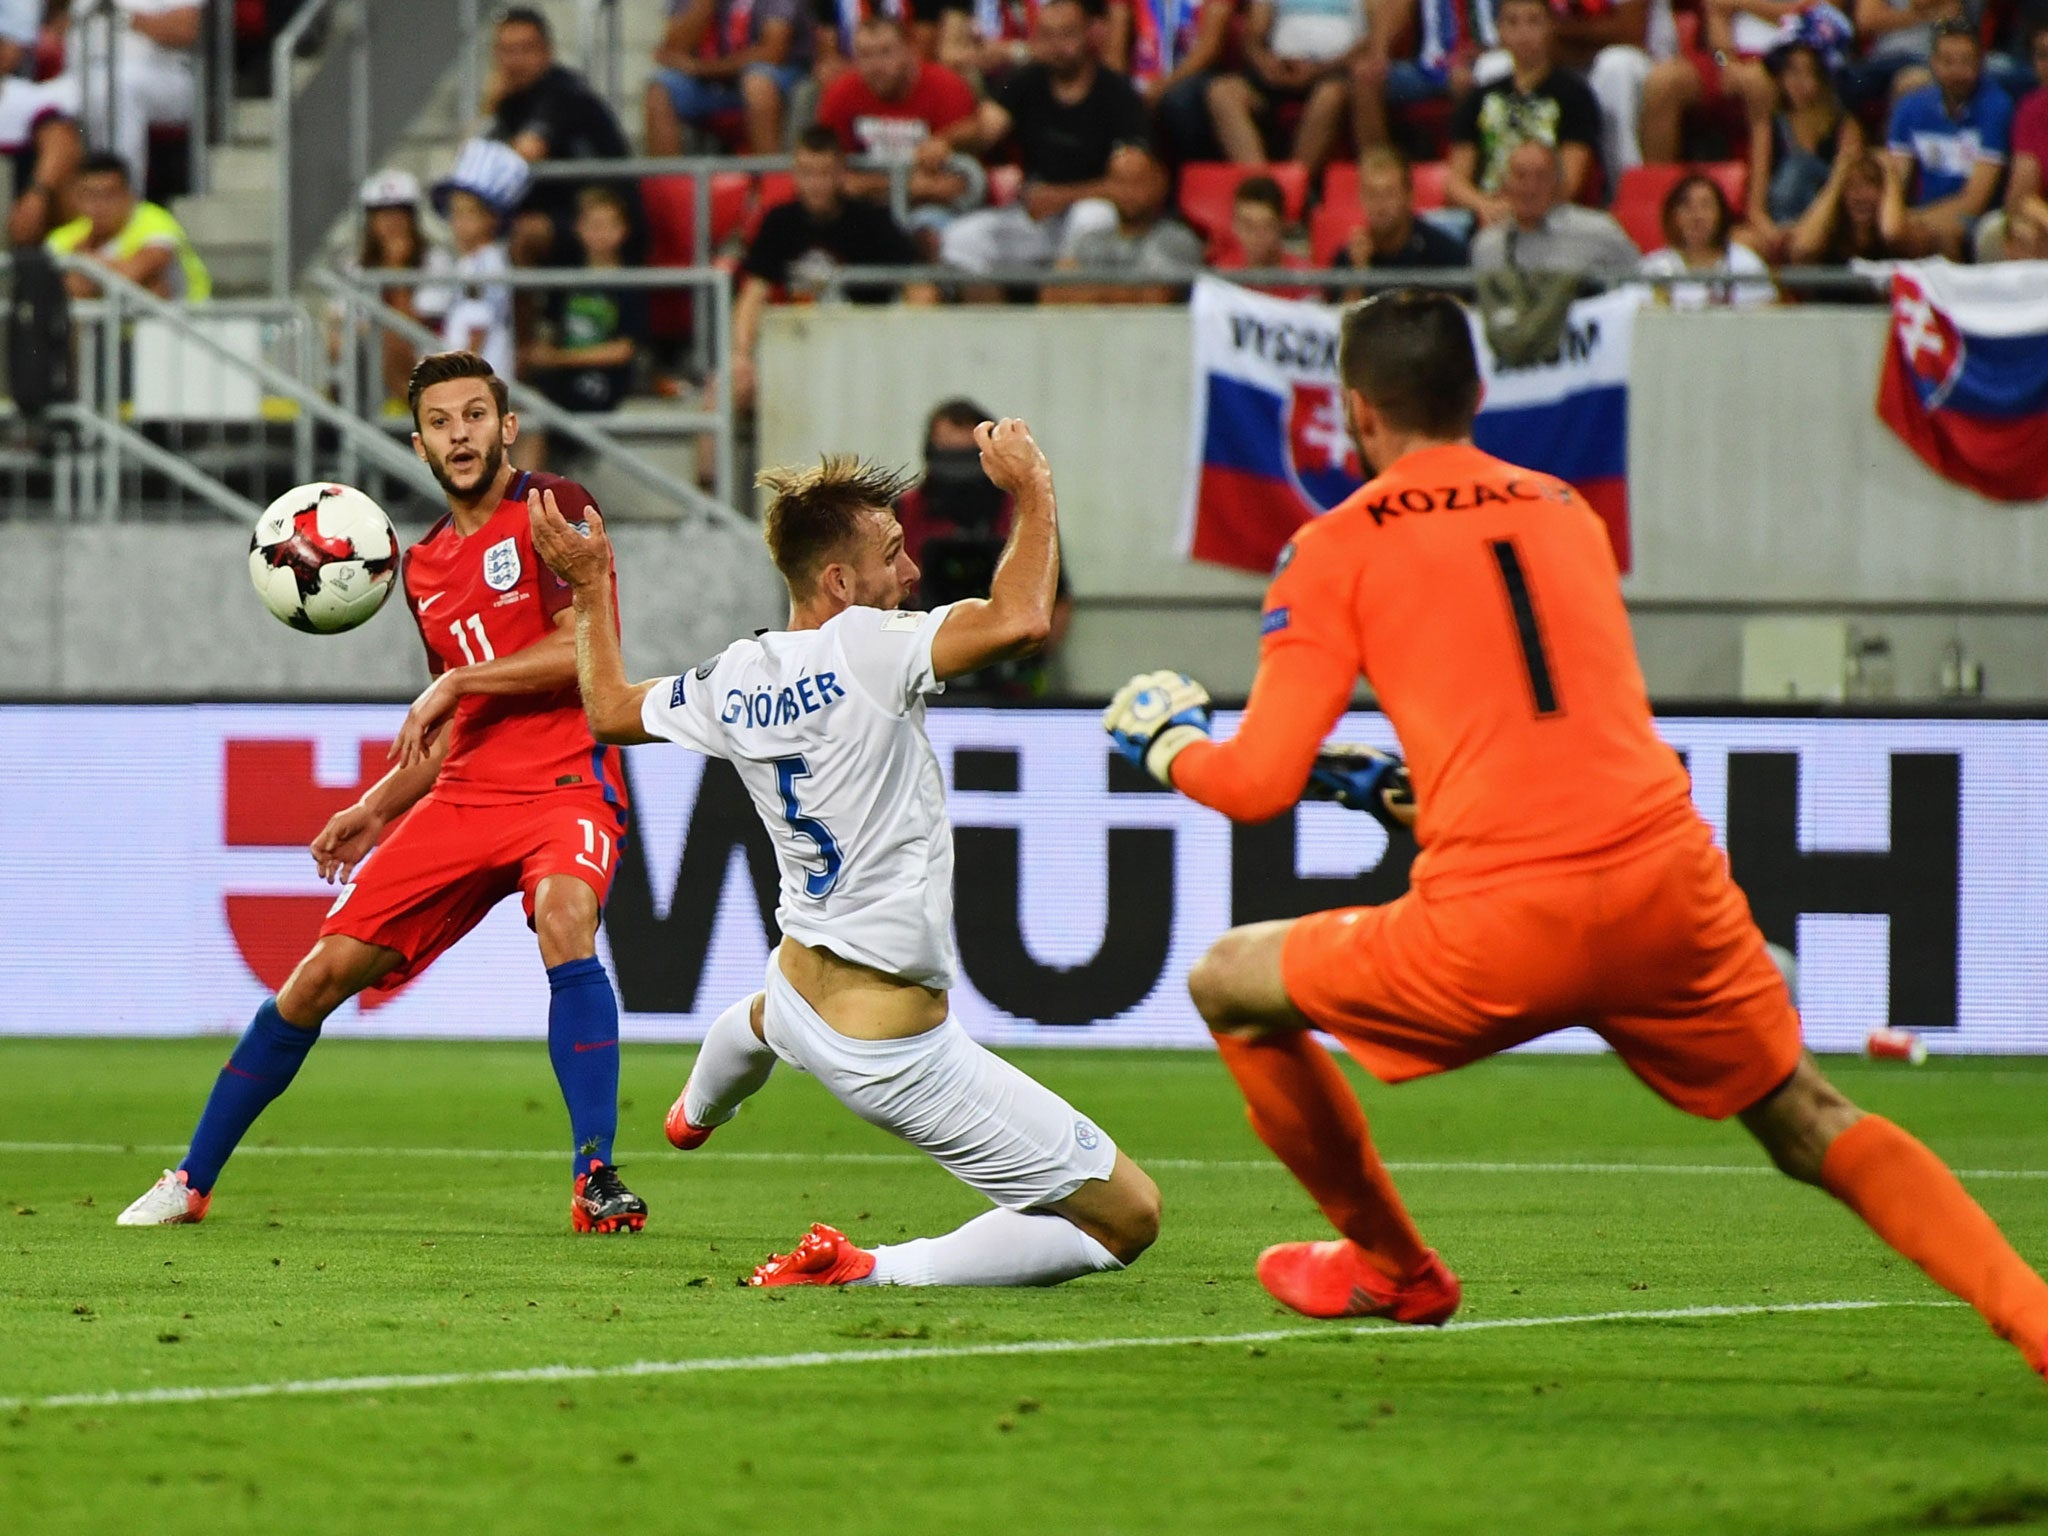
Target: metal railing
1820, 282
216, 406
366, 319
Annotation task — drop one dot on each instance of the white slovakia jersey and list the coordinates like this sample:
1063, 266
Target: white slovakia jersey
826, 727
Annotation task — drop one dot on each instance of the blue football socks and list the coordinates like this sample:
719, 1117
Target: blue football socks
263, 1063
583, 1043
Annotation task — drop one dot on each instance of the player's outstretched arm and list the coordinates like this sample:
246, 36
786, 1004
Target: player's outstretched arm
1161, 721
1016, 616
1299, 694
584, 561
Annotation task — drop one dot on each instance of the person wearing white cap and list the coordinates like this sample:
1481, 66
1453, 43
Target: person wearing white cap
487, 184
393, 240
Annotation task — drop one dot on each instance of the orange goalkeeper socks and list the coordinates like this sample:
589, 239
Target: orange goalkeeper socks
1301, 1107
1909, 1198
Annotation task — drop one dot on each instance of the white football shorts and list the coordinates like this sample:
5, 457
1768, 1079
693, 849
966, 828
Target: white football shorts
992, 1127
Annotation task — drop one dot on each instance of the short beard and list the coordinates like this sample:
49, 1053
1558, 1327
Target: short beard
494, 460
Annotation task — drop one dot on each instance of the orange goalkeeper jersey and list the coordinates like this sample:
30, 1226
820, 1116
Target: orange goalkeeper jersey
1483, 604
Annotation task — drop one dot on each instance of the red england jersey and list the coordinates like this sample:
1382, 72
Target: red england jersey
868, 124
483, 595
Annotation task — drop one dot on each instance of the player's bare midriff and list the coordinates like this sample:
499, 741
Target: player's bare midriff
859, 1001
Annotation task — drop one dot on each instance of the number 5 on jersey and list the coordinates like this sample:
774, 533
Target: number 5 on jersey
818, 882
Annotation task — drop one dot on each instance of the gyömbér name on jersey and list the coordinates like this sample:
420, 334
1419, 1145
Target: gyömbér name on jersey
764, 707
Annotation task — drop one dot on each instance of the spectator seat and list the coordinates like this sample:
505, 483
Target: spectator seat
670, 206
1330, 227
1207, 189
1340, 184
1639, 199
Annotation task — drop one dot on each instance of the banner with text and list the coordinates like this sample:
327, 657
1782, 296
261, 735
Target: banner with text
1270, 445
156, 879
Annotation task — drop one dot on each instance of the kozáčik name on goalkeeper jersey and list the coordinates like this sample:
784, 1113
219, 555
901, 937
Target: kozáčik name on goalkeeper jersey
826, 728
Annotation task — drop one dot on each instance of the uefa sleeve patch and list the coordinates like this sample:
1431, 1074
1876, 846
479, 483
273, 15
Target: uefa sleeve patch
1274, 620
675, 694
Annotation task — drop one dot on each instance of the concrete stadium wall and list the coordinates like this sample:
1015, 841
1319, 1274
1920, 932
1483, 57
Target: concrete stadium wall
1760, 476
168, 612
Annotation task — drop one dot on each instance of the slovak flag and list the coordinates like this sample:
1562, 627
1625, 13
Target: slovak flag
1965, 380
1272, 450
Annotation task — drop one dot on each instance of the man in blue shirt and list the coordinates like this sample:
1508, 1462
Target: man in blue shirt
1947, 149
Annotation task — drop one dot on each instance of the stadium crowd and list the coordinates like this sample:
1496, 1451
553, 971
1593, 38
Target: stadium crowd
1131, 142
1551, 137
1533, 144
1115, 134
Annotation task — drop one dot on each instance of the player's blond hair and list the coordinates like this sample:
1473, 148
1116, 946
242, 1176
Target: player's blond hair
814, 514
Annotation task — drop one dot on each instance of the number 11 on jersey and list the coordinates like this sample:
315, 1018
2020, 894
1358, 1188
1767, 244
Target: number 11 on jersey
483, 641
818, 882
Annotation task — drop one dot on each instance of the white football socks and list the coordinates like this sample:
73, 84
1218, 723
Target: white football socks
732, 1065
998, 1247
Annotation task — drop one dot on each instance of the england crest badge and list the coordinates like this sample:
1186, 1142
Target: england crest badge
501, 565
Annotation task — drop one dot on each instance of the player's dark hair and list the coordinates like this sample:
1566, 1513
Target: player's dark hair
1409, 352
956, 412
527, 16
820, 140
1541, 5
877, 22
1265, 192
104, 162
813, 514
446, 367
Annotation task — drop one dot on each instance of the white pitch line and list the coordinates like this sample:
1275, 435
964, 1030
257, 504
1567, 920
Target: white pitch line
332, 1386
907, 1159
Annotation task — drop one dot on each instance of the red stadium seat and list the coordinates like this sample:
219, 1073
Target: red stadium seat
1431, 178
670, 204
1207, 189
1340, 183
1733, 177
1639, 200
671, 242
1329, 228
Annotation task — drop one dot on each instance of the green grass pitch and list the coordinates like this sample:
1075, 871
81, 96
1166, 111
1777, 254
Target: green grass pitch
438, 1254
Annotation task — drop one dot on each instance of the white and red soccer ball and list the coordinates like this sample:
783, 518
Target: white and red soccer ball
324, 558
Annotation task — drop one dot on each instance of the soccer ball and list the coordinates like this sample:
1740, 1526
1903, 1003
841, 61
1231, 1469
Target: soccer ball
323, 557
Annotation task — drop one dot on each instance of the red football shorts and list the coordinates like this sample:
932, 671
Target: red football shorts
441, 867
1657, 953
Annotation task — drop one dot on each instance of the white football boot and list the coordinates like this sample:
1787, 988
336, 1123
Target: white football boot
169, 1202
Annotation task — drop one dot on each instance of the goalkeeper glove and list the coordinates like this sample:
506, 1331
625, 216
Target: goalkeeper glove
1363, 779
1154, 716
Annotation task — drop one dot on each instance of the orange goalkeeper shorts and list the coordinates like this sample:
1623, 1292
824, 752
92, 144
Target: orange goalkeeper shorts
1656, 952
